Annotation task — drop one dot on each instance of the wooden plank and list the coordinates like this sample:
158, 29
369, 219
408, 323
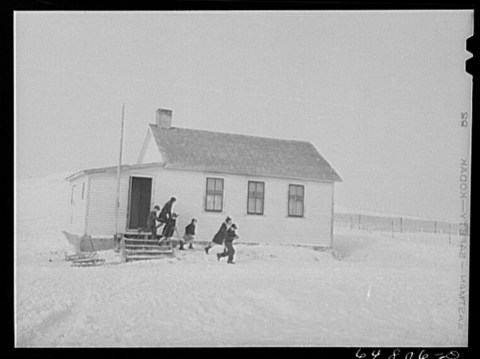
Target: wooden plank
134, 240
134, 258
148, 253
147, 247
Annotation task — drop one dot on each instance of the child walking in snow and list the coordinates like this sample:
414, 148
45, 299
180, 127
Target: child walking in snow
220, 236
230, 236
189, 235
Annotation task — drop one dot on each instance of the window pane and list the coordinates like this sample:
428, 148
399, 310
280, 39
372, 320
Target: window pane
260, 189
291, 208
300, 191
251, 206
299, 208
218, 203
210, 184
209, 203
251, 189
259, 205
293, 191
218, 185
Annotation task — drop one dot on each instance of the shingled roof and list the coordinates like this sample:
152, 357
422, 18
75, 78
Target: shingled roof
241, 154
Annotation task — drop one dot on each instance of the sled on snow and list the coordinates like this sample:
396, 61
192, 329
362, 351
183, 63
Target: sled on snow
73, 257
88, 262
84, 259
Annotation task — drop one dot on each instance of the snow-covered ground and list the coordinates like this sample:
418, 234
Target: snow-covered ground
371, 290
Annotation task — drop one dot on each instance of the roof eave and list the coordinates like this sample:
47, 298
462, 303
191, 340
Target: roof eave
209, 170
110, 168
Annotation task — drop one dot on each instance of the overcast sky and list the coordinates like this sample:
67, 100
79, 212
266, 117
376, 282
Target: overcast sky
379, 94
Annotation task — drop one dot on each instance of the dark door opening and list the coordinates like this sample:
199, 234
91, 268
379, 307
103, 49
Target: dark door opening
139, 202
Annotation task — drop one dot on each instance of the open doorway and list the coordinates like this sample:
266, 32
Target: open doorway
139, 202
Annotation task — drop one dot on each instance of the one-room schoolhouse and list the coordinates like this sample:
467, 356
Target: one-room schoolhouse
276, 190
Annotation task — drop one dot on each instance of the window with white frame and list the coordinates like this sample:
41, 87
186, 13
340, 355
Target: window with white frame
256, 197
214, 195
296, 199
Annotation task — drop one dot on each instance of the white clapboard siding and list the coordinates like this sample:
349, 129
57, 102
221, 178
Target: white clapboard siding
274, 226
77, 209
101, 211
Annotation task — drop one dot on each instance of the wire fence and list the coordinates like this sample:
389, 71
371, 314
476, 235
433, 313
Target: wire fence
396, 224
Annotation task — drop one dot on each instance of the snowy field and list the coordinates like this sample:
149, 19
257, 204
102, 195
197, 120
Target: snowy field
371, 290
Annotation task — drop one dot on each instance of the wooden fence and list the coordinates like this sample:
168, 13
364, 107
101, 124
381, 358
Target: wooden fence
395, 224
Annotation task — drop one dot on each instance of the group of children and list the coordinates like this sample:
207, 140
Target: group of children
164, 217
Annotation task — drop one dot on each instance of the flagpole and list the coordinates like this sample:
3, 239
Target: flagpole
117, 201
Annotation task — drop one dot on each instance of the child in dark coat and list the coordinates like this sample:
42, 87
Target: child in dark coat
169, 229
220, 235
189, 235
166, 212
230, 236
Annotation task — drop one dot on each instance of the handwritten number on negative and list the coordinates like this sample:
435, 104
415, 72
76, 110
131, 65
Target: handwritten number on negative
360, 356
452, 355
464, 117
410, 355
395, 353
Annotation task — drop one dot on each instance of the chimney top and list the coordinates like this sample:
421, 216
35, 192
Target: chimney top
163, 118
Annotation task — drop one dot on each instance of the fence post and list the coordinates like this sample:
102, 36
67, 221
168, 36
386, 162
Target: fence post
393, 223
435, 227
401, 224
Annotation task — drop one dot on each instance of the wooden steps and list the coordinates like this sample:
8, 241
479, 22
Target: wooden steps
137, 247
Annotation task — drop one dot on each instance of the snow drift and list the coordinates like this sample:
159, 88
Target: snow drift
369, 290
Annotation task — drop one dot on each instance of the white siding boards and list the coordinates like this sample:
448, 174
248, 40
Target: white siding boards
78, 205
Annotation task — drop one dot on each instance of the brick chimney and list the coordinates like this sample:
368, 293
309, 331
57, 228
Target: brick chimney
163, 118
